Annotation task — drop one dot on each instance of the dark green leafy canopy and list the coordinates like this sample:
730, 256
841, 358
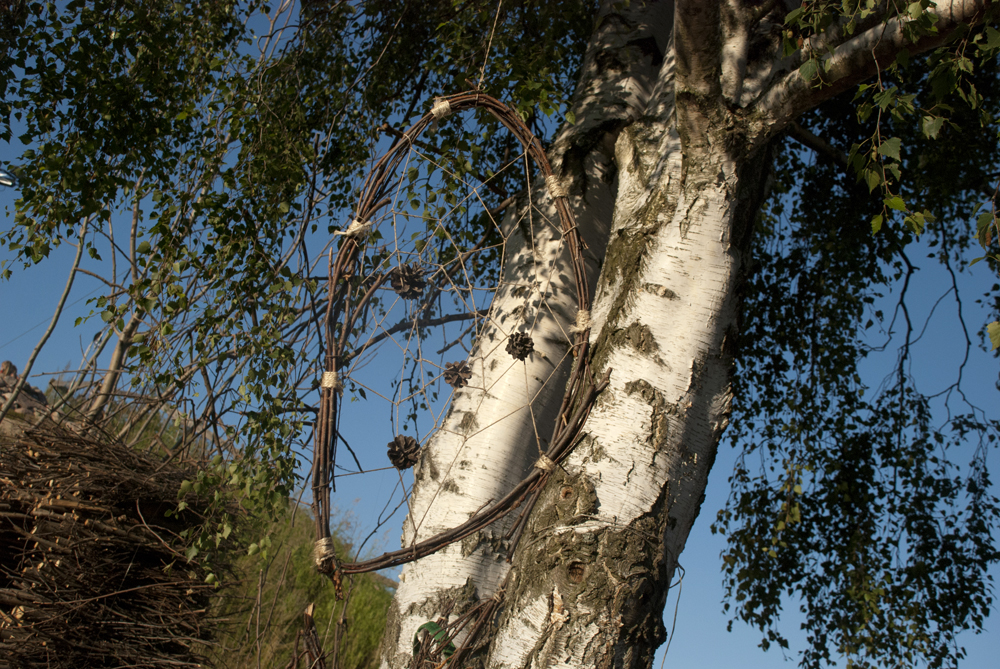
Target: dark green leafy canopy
872, 505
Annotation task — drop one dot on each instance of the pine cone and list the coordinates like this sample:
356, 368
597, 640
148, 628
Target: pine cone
457, 374
403, 452
520, 346
408, 281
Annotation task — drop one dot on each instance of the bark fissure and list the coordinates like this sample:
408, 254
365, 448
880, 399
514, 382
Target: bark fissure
606, 577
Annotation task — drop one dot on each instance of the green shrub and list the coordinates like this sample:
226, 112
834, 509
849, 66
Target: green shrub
262, 611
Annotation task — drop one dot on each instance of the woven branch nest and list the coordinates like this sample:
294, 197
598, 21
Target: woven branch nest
91, 571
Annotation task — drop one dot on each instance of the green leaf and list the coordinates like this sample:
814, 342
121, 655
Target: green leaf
873, 178
915, 223
890, 148
437, 634
932, 126
876, 223
993, 330
809, 69
984, 228
992, 39
895, 202
893, 169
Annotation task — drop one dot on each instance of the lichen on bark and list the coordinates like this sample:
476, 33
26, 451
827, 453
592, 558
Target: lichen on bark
608, 579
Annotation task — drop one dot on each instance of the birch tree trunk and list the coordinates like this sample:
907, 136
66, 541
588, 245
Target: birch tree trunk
688, 173
490, 438
593, 574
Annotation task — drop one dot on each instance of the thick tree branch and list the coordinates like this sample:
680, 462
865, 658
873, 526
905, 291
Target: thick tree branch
738, 22
114, 367
697, 37
861, 58
817, 144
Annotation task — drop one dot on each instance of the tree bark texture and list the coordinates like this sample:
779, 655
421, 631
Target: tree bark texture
592, 576
490, 438
669, 163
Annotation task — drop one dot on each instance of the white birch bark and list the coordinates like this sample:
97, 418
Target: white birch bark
606, 536
491, 436
591, 573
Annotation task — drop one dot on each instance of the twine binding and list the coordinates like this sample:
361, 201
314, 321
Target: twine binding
322, 549
545, 463
330, 380
441, 108
582, 322
355, 229
556, 187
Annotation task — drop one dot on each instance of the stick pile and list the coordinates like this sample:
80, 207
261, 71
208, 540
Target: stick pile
92, 571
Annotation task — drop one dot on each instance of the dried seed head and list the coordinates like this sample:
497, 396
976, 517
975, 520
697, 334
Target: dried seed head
403, 452
520, 346
408, 281
457, 374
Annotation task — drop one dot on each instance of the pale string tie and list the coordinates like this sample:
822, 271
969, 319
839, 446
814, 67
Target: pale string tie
556, 187
330, 380
355, 229
545, 464
582, 322
322, 549
441, 108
